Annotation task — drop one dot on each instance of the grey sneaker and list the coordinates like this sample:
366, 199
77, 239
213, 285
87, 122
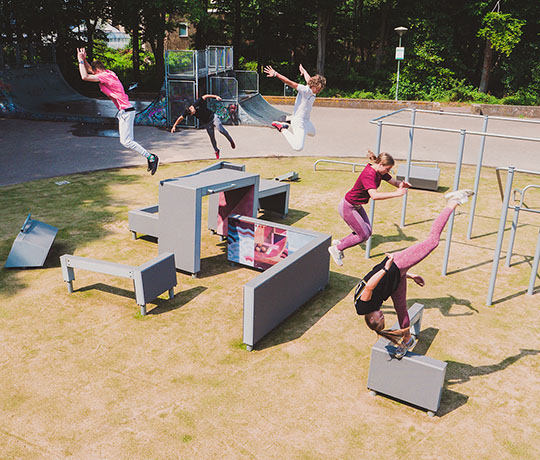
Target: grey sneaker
336, 254
461, 196
401, 350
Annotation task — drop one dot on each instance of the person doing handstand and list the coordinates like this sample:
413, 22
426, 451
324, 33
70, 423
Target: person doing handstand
112, 87
208, 119
389, 278
296, 126
351, 208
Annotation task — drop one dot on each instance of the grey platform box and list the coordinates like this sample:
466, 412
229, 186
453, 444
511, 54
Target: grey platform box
416, 379
424, 177
149, 279
300, 269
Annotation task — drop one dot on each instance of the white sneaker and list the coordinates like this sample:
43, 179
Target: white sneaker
336, 254
461, 196
341, 253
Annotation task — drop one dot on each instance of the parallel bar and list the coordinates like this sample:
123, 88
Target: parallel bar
372, 202
408, 174
450, 224
534, 268
500, 234
477, 178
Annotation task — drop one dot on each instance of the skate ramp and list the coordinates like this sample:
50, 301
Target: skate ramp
41, 92
254, 110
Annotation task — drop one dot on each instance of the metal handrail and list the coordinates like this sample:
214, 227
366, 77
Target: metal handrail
337, 162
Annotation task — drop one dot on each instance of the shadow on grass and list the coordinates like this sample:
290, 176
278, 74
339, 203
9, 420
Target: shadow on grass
458, 373
80, 210
161, 305
445, 304
376, 240
180, 299
338, 287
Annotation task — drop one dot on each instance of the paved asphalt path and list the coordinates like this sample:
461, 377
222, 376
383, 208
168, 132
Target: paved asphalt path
39, 149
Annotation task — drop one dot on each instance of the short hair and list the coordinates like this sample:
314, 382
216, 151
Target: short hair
97, 65
317, 80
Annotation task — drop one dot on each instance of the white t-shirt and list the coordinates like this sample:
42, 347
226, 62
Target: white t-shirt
303, 104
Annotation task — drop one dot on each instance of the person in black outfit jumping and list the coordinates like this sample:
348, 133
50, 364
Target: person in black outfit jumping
208, 120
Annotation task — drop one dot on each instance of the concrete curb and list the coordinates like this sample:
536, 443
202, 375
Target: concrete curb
516, 111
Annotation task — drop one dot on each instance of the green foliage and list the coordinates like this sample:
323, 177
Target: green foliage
502, 30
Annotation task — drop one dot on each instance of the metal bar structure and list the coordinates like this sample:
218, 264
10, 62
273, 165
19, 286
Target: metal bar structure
534, 268
457, 174
354, 165
477, 178
500, 234
517, 209
382, 120
372, 202
408, 173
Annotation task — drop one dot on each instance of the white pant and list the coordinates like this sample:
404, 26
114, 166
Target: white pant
125, 129
296, 134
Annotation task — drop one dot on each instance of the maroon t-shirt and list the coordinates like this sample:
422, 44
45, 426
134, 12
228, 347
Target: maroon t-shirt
368, 179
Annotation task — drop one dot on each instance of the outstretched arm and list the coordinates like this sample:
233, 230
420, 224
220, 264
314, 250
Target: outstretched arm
178, 120
400, 191
84, 68
270, 72
399, 183
304, 73
212, 96
417, 279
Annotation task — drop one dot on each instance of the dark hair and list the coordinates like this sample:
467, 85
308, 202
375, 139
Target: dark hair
97, 65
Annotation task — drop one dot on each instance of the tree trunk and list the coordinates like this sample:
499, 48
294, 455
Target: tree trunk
237, 31
323, 22
486, 67
382, 33
135, 38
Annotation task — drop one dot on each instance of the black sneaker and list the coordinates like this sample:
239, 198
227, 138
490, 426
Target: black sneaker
233, 145
153, 165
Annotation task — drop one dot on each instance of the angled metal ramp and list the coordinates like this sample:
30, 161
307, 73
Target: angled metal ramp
255, 110
31, 245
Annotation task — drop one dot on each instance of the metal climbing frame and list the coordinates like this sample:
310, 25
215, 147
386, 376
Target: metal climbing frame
187, 74
502, 223
382, 121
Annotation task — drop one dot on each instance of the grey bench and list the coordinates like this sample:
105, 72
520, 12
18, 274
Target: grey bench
149, 279
424, 177
416, 379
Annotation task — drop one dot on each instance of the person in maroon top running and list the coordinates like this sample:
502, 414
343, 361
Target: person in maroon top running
112, 87
351, 206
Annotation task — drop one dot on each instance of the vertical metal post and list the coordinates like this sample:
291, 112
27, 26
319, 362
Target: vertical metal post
372, 202
167, 99
397, 80
534, 269
500, 234
408, 173
450, 224
512, 235
477, 178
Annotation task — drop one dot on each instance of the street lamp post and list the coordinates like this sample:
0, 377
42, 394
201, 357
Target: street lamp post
400, 54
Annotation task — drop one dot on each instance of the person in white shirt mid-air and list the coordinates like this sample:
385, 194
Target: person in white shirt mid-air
296, 126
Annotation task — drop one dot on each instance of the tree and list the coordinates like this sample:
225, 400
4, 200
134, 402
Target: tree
502, 33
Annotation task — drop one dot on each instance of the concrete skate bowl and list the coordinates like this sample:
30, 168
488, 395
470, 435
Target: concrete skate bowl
40, 92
